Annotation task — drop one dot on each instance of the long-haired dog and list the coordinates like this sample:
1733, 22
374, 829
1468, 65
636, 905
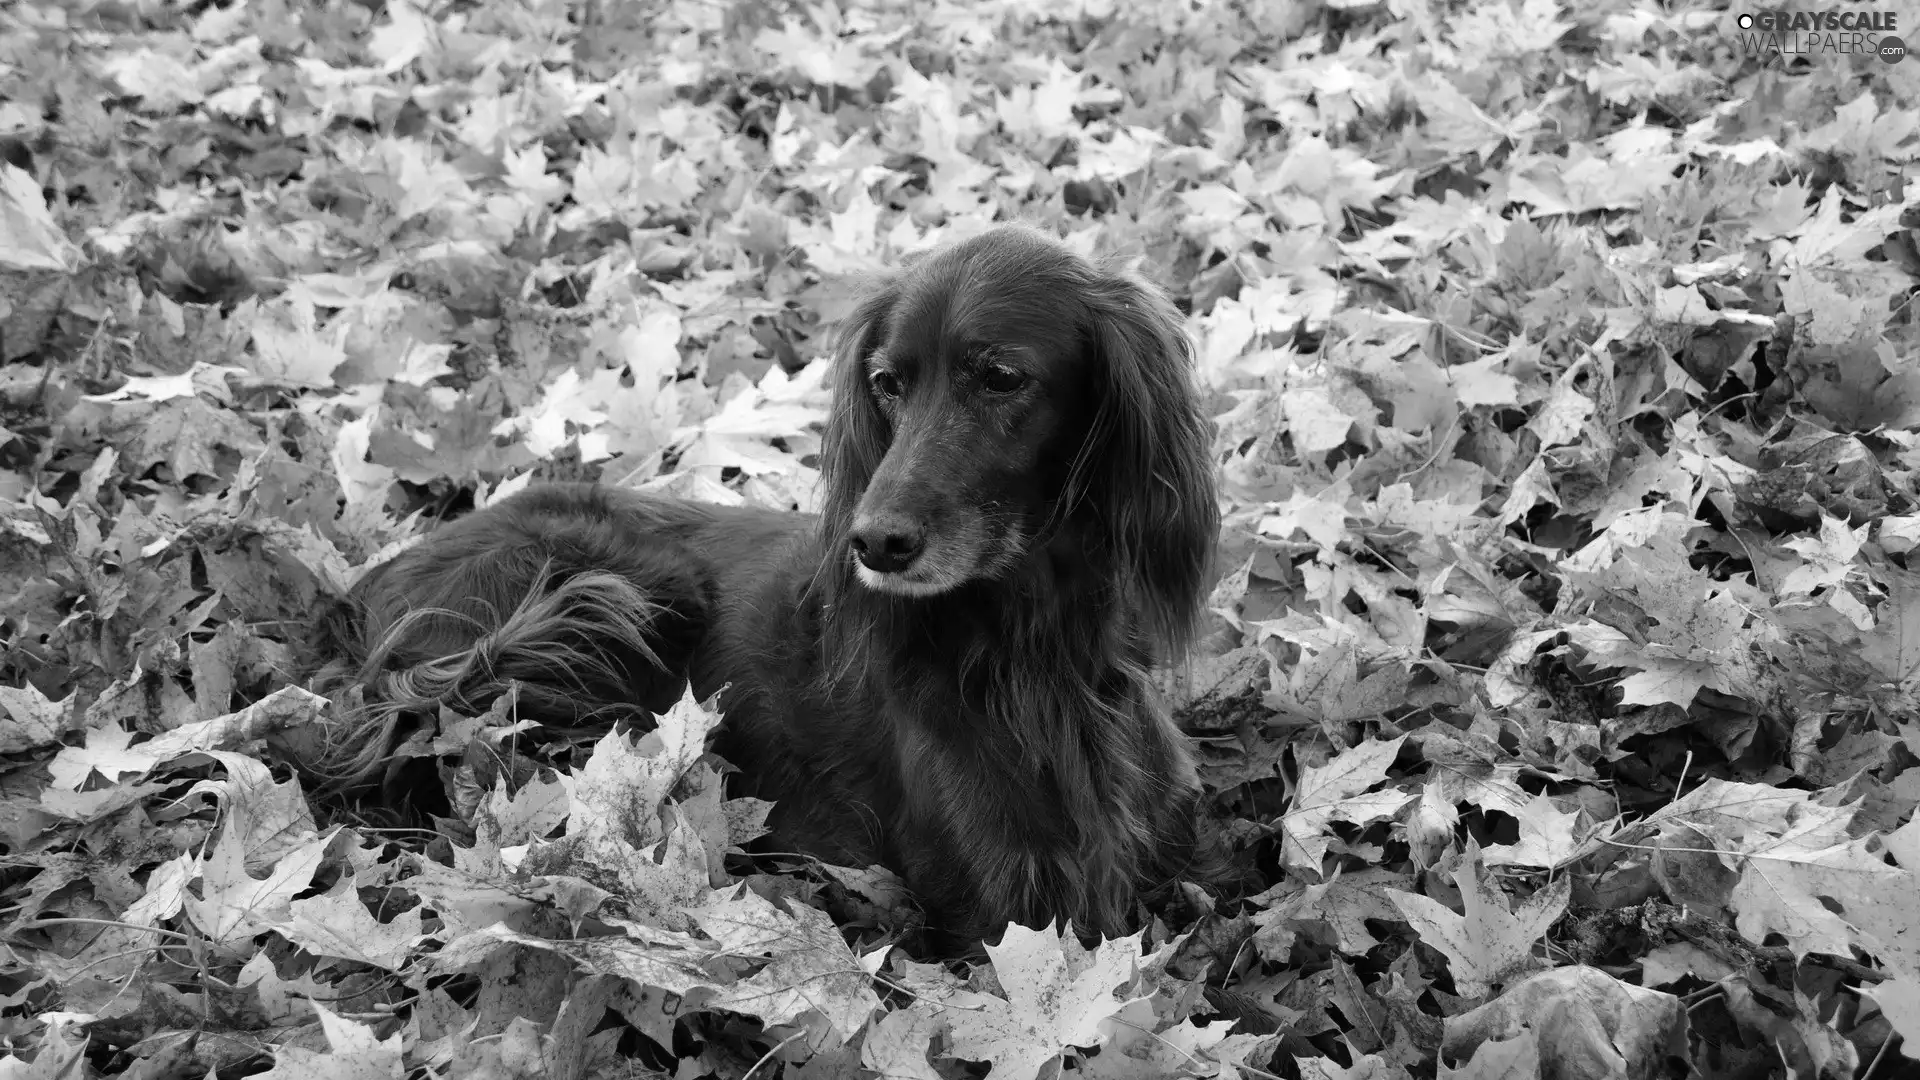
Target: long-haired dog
946, 670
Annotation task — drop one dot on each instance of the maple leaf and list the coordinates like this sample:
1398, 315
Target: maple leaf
1339, 791
458, 444
29, 237
507, 819
62, 1053
165, 894
664, 856
109, 751
1326, 685
809, 967
406, 36
233, 905
1364, 1067
1801, 874
1893, 646
103, 753
621, 787
1479, 382
1488, 944
896, 1045
1829, 557
32, 720
662, 881
1549, 837
1680, 630
671, 961
1790, 884
1530, 489
848, 244
1828, 239
1587, 1023
271, 817
353, 1053
1316, 423
1548, 834
1344, 905
1899, 999
823, 61
337, 924
1517, 1058
1055, 999
1139, 1047
567, 402
201, 378
1322, 519
183, 434
289, 346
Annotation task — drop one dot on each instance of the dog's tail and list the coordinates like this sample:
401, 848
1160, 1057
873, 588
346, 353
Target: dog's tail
581, 649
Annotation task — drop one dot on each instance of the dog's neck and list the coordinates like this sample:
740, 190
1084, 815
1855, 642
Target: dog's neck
993, 636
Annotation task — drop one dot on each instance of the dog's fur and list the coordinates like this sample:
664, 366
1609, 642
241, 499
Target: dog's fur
945, 671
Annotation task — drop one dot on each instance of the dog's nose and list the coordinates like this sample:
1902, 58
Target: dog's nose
886, 543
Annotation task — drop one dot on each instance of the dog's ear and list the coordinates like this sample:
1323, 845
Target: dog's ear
1152, 478
858, 433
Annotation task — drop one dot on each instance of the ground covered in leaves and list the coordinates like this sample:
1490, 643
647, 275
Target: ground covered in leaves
1561, 681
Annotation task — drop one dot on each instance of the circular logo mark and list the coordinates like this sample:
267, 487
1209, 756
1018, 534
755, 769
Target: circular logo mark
1745, 21
1892, 49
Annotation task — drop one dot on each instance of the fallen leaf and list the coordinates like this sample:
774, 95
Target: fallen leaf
1489, 944
1055, 1000
1338, 791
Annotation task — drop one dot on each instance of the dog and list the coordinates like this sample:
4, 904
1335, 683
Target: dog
946, 670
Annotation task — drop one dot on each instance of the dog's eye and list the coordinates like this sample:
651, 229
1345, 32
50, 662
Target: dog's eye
885, 383
1001, 379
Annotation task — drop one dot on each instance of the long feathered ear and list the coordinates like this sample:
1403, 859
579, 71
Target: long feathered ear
857, 432
1153, 469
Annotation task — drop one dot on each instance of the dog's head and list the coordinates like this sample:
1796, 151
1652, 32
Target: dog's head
1001, 391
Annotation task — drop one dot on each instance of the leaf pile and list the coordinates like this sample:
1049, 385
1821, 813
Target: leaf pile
1559, 696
